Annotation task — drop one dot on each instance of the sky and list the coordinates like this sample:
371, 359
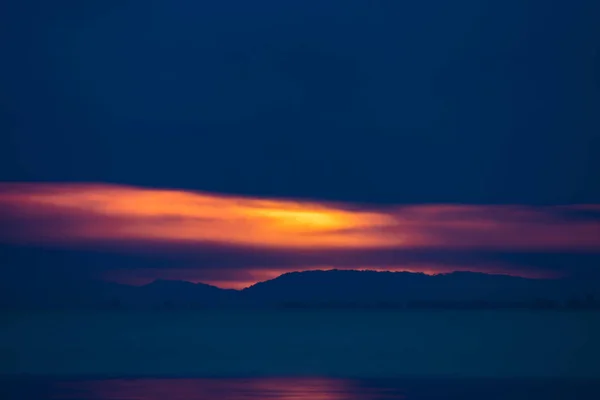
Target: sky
228, 142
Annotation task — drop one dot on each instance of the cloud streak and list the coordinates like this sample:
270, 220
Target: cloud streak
68, 214
135, 235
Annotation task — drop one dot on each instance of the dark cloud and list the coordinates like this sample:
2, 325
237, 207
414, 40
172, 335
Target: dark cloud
385, 102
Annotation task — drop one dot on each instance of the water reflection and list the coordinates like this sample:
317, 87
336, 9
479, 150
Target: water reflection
29, 388
221, 389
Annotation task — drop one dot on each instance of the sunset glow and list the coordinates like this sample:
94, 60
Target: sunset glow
103, 212
260, 239
74, 213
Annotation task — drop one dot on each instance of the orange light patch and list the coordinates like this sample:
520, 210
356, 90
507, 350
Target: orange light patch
90, 213
119, 212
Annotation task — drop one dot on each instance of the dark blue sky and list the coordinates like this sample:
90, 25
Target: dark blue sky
381, 102
385, 101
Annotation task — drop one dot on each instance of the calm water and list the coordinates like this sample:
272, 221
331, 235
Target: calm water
499, 344
294, 389
489, 354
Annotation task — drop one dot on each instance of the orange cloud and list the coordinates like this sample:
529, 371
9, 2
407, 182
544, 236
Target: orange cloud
91, 213
99, 212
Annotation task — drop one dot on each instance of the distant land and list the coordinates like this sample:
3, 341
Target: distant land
316, 289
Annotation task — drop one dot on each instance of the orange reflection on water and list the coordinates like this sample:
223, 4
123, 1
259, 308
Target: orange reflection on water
222, 389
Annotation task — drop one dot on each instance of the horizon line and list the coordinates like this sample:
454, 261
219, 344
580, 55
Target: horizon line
238, 289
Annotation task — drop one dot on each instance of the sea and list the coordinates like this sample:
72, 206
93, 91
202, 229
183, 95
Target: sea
313, 355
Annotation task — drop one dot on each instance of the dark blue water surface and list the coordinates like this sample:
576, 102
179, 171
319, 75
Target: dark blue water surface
294, 389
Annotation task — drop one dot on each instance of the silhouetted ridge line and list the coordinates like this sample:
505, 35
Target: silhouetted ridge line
320, 289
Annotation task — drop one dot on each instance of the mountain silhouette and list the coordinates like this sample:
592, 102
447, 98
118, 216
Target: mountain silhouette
372, 288
348, 288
